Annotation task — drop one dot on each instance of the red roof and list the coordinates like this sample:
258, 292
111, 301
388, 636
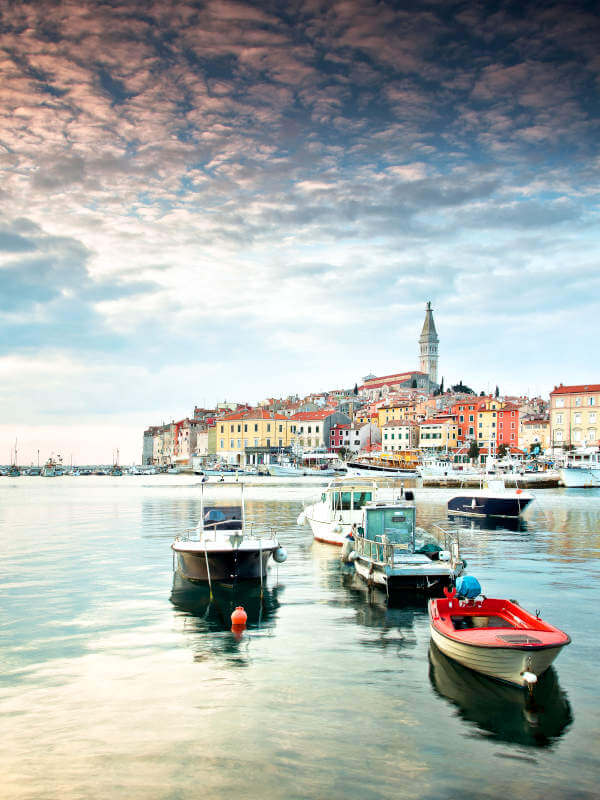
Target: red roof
252, 413
300, 415
580, 388
399, 377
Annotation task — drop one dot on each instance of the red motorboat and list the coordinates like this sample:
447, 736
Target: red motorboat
495, 637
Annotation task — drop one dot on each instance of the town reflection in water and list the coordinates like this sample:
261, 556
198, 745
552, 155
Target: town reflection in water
506, 712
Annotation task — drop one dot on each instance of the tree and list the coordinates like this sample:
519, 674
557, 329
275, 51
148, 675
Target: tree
460, 387
502, 450
442, 386
497, 392
473, 450
355, 388
414, 383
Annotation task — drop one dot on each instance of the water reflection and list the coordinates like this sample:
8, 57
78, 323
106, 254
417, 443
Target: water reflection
391, 623
488, 523
507, 713
206, 617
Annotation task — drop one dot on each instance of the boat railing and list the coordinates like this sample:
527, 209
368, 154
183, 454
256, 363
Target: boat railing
449, 540
208, 533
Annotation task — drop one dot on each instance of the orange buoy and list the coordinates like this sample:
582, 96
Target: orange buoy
239, 616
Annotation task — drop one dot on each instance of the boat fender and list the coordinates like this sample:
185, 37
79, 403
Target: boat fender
444, 555
352, 556
280, 555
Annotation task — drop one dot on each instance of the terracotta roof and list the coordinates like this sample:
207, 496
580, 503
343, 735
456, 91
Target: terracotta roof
300, 415
252, 413
397, 423
578, 389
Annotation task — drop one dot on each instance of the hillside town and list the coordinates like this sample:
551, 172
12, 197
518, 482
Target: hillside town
394, 420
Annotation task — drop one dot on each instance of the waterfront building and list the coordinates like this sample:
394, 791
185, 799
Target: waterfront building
253, 436
534, 432
344, 436
438, 434
508, 425
428, 347
311, 429
574, 419
399, 435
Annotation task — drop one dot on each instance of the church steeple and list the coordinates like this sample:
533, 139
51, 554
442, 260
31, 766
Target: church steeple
428, 343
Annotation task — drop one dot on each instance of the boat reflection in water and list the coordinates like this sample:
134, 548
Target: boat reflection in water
488, 523
206, 617
508, 713
388, 624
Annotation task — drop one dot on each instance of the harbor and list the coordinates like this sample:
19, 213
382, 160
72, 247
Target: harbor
319, 653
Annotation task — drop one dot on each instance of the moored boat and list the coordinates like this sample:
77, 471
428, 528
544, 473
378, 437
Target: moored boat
495, 500
495, 637
389, 551
340, 507
224, 550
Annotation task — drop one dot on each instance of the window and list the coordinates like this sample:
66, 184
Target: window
309, 429
222, 443
558, 436
578, 401
559, 402
316, 428
592, 416
256, 443
281, 443
385, 435
577, 435
591, 401
246, 428
255, 428
558, 419
268, 443
239, 444
461, 418
231, 444
471, 418
471, 431
245, 443
232, 427
591, 434
268, 426
577, 419
239, 429
222, 430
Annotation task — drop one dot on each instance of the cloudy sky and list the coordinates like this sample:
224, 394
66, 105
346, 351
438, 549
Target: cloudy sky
209, 200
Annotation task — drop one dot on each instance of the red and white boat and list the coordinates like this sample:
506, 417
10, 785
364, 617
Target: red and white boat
495, 637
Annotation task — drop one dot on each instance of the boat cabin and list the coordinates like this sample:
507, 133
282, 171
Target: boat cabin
347, 498
391, 524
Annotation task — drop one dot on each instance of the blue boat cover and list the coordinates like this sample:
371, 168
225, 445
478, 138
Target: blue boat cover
468, 586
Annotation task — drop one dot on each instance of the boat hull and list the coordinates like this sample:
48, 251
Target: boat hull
503, 664
471, 505
224, 566
427, 579
580, 477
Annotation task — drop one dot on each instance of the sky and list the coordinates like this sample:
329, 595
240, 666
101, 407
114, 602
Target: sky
218, 200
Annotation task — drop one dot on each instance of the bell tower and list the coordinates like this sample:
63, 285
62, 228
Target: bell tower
428, 343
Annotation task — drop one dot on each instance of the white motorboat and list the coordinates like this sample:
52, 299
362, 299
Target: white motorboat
223, 549
438, 468
339, 509
581, 469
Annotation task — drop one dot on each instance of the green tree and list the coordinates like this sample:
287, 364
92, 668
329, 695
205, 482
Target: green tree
473, 450
502, 450
497, 392
414, 383
442, 386
355, 388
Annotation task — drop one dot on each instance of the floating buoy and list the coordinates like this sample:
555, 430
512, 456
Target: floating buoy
239, 616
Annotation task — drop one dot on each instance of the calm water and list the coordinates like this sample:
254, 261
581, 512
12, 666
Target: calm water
117, 681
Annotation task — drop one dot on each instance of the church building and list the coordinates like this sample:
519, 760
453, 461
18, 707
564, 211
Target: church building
424, 379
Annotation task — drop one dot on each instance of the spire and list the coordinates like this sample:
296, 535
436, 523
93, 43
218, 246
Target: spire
429, 332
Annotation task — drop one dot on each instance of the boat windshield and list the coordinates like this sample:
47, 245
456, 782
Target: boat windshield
345, 501
395, 524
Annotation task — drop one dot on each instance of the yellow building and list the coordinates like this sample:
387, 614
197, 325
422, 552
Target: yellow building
251, 437
438, 433
534, 431
400, 411
574, 415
